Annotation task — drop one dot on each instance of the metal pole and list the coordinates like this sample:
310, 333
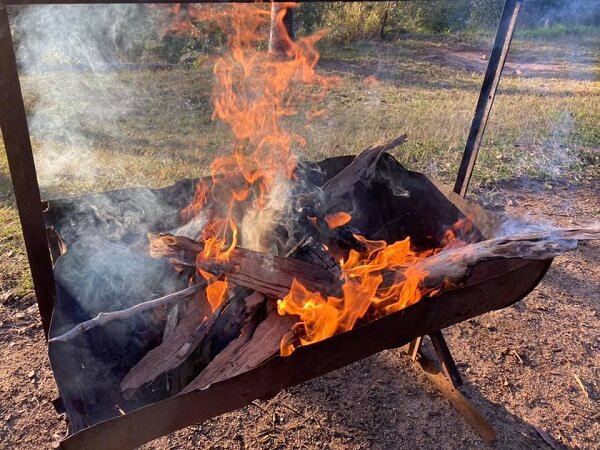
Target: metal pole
15, 132
488, 92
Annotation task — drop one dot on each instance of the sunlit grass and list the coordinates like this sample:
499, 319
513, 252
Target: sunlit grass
541, 126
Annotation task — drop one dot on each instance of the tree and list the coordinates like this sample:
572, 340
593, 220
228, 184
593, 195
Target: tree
282, 29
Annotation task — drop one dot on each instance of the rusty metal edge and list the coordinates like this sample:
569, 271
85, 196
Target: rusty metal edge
395, 330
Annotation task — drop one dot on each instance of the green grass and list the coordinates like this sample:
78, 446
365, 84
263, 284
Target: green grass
545, 122
559, 31
14, 271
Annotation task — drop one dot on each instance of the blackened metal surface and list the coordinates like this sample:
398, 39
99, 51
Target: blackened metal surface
22, 171
96, 276
395, 330
491, 80
412, 205
123, 215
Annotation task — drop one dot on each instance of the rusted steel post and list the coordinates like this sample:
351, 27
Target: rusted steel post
445, 358
488, 92
15, 132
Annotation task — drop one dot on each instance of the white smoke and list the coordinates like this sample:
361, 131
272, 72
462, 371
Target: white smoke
76, 100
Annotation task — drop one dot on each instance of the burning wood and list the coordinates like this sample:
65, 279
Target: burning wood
257, 343
448, 268
268, 274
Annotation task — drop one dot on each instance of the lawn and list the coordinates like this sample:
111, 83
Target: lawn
95, 132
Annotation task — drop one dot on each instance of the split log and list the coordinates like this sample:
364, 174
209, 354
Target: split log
195, 330
246, 352
311, 251
273, 275
454, 264
268, 274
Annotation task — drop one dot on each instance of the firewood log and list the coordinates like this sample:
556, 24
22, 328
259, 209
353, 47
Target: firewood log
246, 352
195, 330
268, 274
449, 266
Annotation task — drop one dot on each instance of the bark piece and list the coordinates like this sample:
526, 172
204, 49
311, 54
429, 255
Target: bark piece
246, 353
362, 168
268, 274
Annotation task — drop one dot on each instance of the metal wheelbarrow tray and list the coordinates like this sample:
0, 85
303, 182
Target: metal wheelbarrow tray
490, 286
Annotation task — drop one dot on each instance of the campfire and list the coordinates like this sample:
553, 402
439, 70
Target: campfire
271, 270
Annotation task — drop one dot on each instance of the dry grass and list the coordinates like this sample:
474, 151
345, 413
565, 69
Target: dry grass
544, 122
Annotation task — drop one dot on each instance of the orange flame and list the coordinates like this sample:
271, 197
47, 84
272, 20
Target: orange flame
365, 290
338, 219
254, 91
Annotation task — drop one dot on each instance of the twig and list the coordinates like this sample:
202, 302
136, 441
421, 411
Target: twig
581, 385
106, 317
518, 356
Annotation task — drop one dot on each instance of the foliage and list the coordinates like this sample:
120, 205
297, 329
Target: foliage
352, 21
371, 20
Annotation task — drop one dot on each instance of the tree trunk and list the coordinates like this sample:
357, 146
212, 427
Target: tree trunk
282, 30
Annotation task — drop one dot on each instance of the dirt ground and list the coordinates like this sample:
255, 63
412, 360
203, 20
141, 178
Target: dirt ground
521, 368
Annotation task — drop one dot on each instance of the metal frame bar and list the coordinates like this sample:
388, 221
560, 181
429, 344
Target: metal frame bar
17, 143
489, 87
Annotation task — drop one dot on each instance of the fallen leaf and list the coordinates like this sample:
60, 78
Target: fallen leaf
6, 296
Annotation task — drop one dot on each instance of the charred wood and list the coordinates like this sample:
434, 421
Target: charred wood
197, 335
268, 274
248, 351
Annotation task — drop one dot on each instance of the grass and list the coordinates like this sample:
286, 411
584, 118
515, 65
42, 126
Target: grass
152, 129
